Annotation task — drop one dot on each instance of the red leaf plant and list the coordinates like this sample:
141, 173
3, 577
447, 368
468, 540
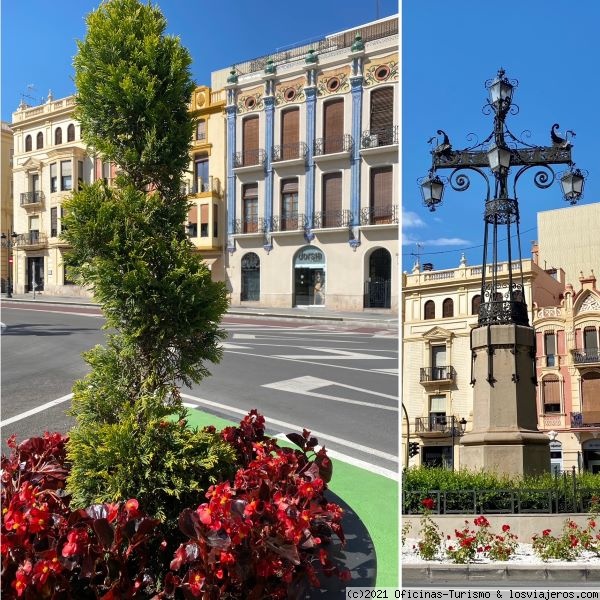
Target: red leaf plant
263, 535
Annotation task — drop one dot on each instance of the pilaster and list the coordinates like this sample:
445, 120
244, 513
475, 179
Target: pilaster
357, 90
269, 102
231, 113
311, 102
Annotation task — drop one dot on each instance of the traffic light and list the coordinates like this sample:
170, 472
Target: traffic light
413, 449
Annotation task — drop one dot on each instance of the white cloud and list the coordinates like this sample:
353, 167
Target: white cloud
411, 219
447, 242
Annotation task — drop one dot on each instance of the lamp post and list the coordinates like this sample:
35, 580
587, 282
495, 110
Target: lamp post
504, 436
461, 429
9, 242
500, 152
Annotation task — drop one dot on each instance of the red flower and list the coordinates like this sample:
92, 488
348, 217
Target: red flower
196, 582
132, 506
505, 528
428, 503
481, 522
205, 514
21, 579
592, 523
76, 539
546, 532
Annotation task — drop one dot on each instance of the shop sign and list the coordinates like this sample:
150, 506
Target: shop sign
311, 258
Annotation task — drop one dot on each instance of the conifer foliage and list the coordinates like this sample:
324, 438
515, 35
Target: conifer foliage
129, 246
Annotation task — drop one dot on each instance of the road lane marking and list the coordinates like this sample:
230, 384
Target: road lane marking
307, 384
228, 346
244, 336
333, 354
35, 410
308, 362
292, 427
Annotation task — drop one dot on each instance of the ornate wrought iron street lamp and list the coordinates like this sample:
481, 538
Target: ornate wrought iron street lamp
501, 301
9, 242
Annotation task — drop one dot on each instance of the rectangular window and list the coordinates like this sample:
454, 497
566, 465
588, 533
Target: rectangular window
202, 183
79, 173
380, 199
106, 171
437, 413
204, 220
201, 130
66, 175
250, 207
590, 338
289, 205
34, 229
53, 178
53, 221
439, 369
215, 221
62, 216
332, 200
192, 228
550, 348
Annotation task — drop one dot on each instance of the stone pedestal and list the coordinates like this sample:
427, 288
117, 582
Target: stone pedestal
504, 438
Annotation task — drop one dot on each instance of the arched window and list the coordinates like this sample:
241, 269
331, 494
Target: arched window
475, 304
250, 277
71, 133
429, 310
39, 141
58, 136
28, 143
448, 308
551, 394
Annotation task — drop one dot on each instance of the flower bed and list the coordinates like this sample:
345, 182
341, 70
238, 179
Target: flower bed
477, 542
265, 533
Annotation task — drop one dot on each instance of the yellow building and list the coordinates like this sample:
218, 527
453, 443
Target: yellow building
6, 205
205, 180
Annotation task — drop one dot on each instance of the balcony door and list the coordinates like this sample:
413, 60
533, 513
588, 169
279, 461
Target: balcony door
35, 273
437, 413
439, 368
382, 116
333, 125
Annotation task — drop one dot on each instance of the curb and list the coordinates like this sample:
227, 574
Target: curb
355, 321
443, 574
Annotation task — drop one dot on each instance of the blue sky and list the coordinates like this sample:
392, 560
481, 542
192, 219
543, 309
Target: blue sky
38, 36
449, 50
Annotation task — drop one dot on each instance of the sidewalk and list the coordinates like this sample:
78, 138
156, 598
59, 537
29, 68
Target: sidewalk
380, 318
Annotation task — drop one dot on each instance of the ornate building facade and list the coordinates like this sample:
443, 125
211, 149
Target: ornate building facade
312, 161
439, 312
6, 206
50, 161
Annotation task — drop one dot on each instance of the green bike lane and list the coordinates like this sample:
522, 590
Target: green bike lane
373, 498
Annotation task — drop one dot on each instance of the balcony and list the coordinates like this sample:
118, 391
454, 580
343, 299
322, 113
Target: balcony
290, 154
332, 219
379, 215
212, 185
293, 222
249, 226
437, 377
379, 138
585, 419
31, 198
249, 159
31, 240
586, 356
438, 427
333, 147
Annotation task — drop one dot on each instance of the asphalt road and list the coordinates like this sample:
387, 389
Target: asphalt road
340, 383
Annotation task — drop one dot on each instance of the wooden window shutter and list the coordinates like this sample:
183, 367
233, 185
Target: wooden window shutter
204, 214
58, 136
382, 109
289, 186
381, 190
590, 389
193, 215
332, 192
39, 141
250, 190
71, 133
290, 127
429, 310
53, 221
551, 389
333, 125
475, 304
250, 134
448, 308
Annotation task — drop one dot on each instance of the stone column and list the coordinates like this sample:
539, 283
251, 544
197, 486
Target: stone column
504, 438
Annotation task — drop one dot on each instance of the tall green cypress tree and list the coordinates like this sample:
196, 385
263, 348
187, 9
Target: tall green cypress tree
128, 244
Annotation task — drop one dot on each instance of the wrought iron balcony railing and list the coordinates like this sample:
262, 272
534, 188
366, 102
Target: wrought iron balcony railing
332, 145
332, 218
31, 238
379, 215
289, 151
200, 186
446, 373
582, 356
446, 425
248, 158
289, 222
587, 418
374, 138
249, 225
31, 197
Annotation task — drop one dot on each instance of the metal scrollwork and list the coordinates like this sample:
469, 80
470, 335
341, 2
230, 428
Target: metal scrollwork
543, 179
460, 181
501, 211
